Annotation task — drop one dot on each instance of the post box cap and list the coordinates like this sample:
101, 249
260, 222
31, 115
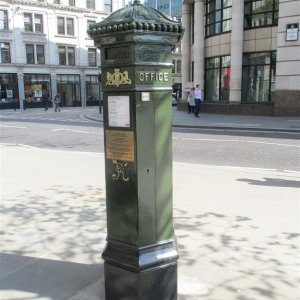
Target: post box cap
136, 17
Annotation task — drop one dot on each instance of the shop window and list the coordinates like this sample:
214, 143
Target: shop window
65, 26
218, 16
259, 73
66, 55
261, 13
92, 57
33, 22
36, 85
92, 89
5, 52
8, 88
90, 4
3, 20
108, 6
217, 79
35, 54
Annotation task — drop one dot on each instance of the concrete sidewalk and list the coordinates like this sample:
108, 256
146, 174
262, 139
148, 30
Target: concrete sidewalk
182, 119
218, 121
237, 228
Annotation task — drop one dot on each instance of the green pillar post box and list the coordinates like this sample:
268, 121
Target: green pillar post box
136, 56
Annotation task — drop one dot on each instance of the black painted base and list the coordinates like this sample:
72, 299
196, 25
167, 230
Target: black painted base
148, 273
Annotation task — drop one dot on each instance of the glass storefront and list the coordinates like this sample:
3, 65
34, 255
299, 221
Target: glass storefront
9, 92
217, 79
36, 85
93, 95
258, 81
68, 86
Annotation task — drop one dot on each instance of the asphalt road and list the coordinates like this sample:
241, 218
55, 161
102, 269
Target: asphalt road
68, 130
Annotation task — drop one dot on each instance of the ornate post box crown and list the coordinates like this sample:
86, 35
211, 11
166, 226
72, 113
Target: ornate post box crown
136, 17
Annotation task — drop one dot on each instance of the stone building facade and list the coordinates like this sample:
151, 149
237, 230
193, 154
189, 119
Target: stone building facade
45, 49
244, 54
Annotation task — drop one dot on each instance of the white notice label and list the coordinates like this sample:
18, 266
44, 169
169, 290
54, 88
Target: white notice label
118, 111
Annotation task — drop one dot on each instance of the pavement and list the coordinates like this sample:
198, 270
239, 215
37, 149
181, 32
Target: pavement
229, 122
237, 228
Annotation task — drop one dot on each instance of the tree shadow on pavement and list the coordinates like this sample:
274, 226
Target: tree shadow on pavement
275, 182
53, 237
228, 257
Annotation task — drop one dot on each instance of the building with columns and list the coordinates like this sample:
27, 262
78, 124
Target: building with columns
45, 49
245, 55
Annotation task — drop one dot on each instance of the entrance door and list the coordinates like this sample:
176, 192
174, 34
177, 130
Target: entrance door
69, 93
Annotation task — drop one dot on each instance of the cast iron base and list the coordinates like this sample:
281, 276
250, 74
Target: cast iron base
147, 273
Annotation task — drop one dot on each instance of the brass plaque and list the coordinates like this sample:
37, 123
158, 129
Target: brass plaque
120, 145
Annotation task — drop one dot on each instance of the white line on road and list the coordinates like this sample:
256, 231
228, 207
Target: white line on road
237, 140
78, 131
7, 126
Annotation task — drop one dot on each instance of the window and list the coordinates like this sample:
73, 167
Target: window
92, 57
178, 66
66, 55
71, 2
30, 54
40, 54
56, 1
90, 4
173, 66
108, 6
35, 54
61, 25
90, 22
218, 16
65, 25
261, 13
5, 52
259, 73
3, 20
217, 79
33, 22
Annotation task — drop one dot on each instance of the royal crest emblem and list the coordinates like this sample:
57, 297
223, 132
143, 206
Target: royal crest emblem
117, 78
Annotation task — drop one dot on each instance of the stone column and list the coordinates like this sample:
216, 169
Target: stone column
199, 44
237, 39
53, 84
83, 89
21, 88
185, 47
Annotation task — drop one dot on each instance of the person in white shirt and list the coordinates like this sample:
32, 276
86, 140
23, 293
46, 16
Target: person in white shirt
198, 99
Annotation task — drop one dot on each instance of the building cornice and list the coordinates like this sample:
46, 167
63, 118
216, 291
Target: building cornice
53, 6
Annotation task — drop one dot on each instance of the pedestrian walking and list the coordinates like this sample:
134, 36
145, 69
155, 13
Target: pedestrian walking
191, 101
198, 98
56, 102
45, 100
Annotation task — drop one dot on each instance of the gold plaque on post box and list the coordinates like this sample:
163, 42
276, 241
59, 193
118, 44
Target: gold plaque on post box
120, 145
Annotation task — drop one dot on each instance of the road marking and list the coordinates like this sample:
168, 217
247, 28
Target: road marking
77, 131
237, 140
7, 126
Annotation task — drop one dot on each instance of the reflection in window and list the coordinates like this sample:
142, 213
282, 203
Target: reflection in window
5, 52
33, 22
3, 20
30, 54
259, 72
261, 13
66, 55
92, 57
218, 16
217, 79
108, 6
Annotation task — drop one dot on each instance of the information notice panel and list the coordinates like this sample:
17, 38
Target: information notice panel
118, 111
120, 145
